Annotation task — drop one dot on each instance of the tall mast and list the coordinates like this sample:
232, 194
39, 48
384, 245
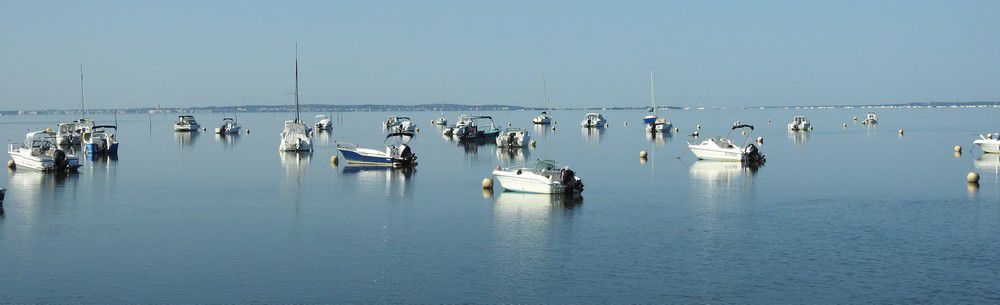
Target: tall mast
545, 92
296, 82
83, 95
652, 90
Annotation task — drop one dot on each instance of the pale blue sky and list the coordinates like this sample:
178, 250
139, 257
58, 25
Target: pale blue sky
596, 53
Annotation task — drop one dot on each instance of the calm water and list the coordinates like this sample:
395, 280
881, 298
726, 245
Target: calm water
836, 216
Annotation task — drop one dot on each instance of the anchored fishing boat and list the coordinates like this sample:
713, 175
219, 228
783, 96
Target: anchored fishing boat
186, 123
229, 127
471, 128
324, 123
653, 122
799, 123
593, 120
295, 135
399, 124
544, 177
513, 137
870, 119
723, 149
989, 143
101, 139
397, 152
40, 152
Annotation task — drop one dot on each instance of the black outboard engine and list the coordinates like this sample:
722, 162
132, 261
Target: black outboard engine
753, 155
407, 156
60, 160
568, 178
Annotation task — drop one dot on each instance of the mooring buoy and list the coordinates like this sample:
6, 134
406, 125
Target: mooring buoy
958, 148
487, 183
760, 140
334, 160
642, 154
11, 165
972, 177
900, 132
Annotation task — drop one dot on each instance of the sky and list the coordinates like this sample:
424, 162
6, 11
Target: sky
593, 53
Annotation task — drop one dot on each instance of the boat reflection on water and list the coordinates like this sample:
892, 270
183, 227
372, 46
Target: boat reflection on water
35, 192
528, 203
227, 140
513, 154
394, 181
592, 135
294, 162
524, 225
322, 137
718, 181
799, 137
659, 138
988, 165
186, 139
543, 130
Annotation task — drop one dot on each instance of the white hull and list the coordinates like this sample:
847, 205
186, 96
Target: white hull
665, 127
40, 163
704, 152
505, 140
527, 182
991, 146
295, 145
799, 127
193, 127
542, 120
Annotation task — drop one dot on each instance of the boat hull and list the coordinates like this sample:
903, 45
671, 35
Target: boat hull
94, 148
41, 164
717, 154
527, 183
989, 146
193, 127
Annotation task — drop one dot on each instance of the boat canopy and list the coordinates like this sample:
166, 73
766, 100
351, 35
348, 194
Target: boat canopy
102, 127
403, 137
38, 136
738, 126
293, 126
185, 117
322, 116
547, 165
513, 129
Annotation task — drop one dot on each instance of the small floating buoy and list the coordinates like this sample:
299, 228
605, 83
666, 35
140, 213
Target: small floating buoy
743, 132
958, 148
11, 165
204, 129
418, 129
553, 128
642, 154
972, 177
855, 118
248, 131
626, 123
487, 183
676, 130
532, 143
508, 124
334, 160
900, 132
760, 140
698, 126
605, 125
845, 125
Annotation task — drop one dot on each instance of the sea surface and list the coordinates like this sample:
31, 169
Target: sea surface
836, 215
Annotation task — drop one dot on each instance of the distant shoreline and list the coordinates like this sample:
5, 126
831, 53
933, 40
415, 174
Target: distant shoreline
462, 107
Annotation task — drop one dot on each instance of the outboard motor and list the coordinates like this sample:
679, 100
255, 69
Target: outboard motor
568, 178
753, 155
406, 155
60, 160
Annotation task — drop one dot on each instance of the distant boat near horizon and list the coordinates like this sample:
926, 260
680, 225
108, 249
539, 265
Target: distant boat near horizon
294, 136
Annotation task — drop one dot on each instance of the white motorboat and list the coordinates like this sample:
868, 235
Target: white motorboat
545, 177
396, 154
101, 139
870, 119
440, 121
473, 128
594, 120
544, 118
723, 149
513, 138
653, 122
186, 123
323, 123
799, 123
399, 124
40, 152
295, 135
989, 143
229, 126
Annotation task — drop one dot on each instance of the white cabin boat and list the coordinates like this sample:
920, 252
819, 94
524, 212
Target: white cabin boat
594, 120
473, 128
40, 152
186, 123
323, 123
399, 124
229, 126
799, 123
101, 139
654, 123
870, 119
545, 177
723, 149
440, 121
513, 138
989, 143
544, 118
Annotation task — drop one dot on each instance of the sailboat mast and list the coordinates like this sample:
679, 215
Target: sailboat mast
83, 95
652, 90
296, 82
545, 93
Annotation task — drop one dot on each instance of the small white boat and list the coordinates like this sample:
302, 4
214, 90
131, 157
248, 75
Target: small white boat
440, 121
799, 123
989, 143
324, 123
513, 138
186, 123
399, 124
653, 122
397, 154
229, 126
473, 128
723, 149
40, 152
544, 118
295, 135
594, 120
870, 119
101, 139
545, 177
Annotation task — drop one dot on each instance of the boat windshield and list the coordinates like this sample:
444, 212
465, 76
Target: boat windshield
294, 127
547, 165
